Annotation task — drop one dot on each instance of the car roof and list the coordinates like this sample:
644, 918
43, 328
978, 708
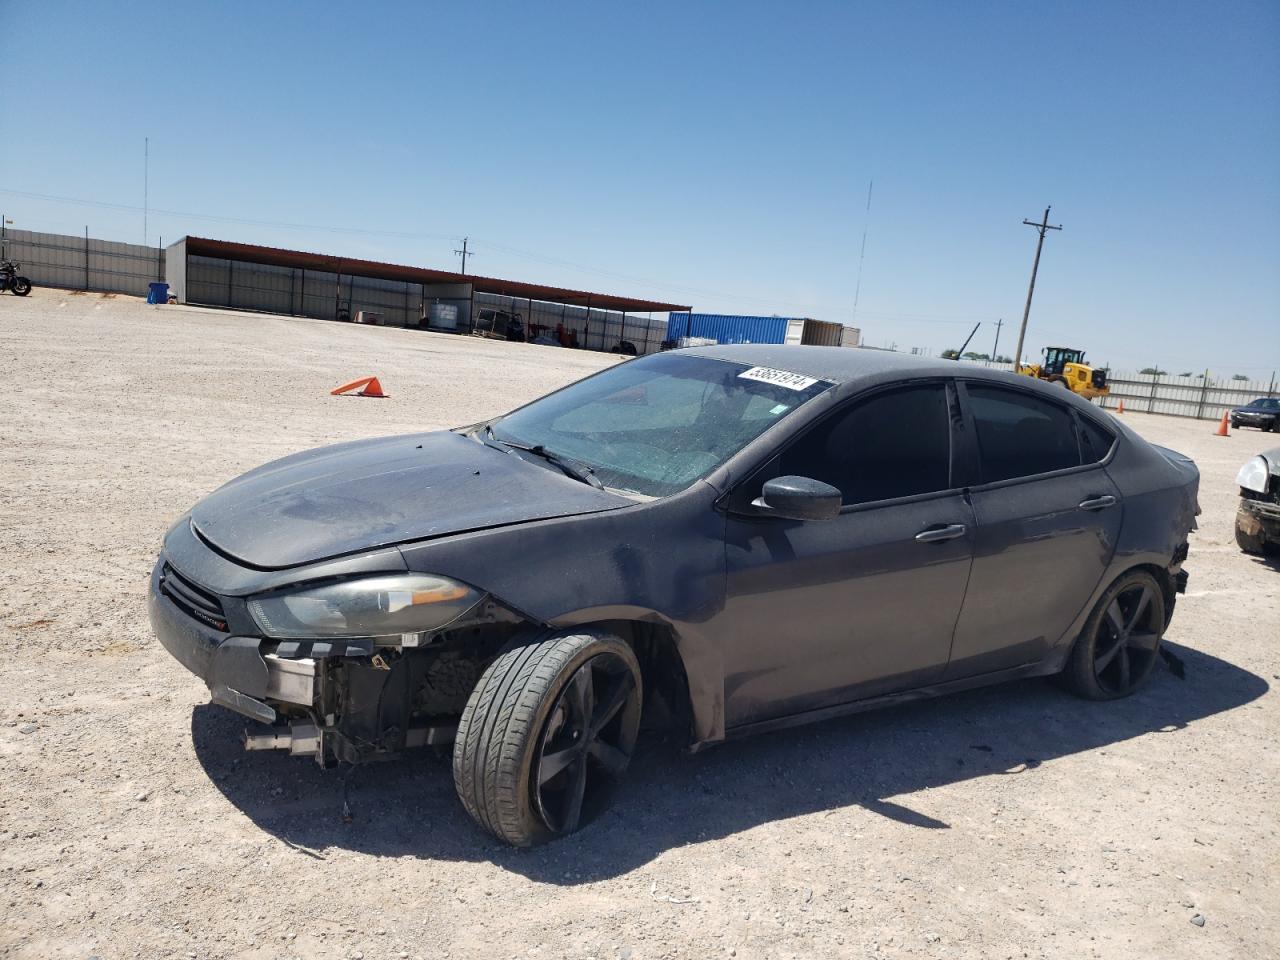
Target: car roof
850, 364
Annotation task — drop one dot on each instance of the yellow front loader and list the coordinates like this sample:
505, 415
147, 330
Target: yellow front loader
1066, 366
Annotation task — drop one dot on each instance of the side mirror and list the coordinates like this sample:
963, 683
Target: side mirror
798, 498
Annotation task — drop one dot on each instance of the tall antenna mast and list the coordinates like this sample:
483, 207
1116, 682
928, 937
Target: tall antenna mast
146, 183
866, 225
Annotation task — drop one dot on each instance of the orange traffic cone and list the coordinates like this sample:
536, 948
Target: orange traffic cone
1222, 427
1120, 409
372, 388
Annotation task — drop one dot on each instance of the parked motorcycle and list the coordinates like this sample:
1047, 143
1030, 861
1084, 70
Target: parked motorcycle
10, 279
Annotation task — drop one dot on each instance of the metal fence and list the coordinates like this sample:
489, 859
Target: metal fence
1202, 397
1198, 396
81, 263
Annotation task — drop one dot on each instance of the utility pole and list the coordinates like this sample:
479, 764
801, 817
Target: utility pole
995, 350
146, 183
1041, 227
463, 253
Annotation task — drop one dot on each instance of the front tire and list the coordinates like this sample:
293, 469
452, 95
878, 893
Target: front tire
1249, 542
1120, 642
21, 286
546, 733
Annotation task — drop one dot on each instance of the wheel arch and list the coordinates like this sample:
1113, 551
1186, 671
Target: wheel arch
1168, 590
683, 675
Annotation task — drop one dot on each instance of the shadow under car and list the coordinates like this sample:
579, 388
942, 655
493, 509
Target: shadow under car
408, 807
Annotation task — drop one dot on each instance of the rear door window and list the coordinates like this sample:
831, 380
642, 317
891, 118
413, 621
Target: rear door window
1020, 435
895, 444
1095, 442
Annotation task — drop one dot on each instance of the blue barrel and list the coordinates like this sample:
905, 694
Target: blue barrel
159, 293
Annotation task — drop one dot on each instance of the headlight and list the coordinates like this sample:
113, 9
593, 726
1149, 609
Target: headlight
1253, 475
384, 606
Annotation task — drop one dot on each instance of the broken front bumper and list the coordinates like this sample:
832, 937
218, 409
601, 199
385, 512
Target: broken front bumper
344, 699
239, 675
1259, 518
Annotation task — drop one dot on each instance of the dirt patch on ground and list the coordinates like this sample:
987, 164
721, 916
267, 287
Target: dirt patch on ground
1009, 822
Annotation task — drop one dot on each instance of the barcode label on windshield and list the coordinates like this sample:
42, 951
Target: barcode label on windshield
779, 378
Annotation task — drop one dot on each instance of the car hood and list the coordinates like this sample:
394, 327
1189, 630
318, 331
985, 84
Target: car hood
375, 493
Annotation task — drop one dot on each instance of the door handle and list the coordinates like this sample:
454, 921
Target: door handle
941, 534
1098, 503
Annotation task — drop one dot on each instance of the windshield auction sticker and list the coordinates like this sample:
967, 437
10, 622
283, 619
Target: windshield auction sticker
779, 378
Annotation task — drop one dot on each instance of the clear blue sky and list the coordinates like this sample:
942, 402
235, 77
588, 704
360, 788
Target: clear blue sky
713, 154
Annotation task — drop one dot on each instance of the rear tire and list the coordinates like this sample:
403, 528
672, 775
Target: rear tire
546, 733
1120, 642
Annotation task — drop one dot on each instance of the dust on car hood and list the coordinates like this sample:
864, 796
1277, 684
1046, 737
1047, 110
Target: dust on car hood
375, 493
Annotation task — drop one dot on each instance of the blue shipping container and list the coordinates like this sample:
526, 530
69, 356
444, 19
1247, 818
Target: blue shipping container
725, 328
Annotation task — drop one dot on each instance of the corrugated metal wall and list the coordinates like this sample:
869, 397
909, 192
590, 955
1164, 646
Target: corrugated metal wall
594, 329
77, 263
731, 328
240, 285
728, 328
1202, 398
822, 333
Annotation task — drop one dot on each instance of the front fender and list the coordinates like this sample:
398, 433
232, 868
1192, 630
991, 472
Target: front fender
659, 562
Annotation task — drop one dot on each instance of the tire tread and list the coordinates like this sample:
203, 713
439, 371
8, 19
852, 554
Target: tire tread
500, 721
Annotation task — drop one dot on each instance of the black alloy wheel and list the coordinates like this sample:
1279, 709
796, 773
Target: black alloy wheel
585, 746
1120, 643
547, 733
1127, 641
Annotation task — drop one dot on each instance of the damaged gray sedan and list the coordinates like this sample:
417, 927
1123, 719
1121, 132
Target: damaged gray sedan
723, 540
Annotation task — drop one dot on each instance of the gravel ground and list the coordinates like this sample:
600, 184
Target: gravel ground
1009, 822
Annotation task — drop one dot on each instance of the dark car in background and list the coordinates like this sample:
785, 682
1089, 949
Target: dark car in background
1258, 516
1263, 413
727, 539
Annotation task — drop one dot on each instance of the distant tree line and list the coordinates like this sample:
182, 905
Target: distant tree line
974, 355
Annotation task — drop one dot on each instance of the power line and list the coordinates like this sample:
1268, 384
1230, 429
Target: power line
328, 228
674, 288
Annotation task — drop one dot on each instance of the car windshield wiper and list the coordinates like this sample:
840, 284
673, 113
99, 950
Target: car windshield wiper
579, 471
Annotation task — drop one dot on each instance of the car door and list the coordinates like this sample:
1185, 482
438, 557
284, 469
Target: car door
1048, 516
820, 613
